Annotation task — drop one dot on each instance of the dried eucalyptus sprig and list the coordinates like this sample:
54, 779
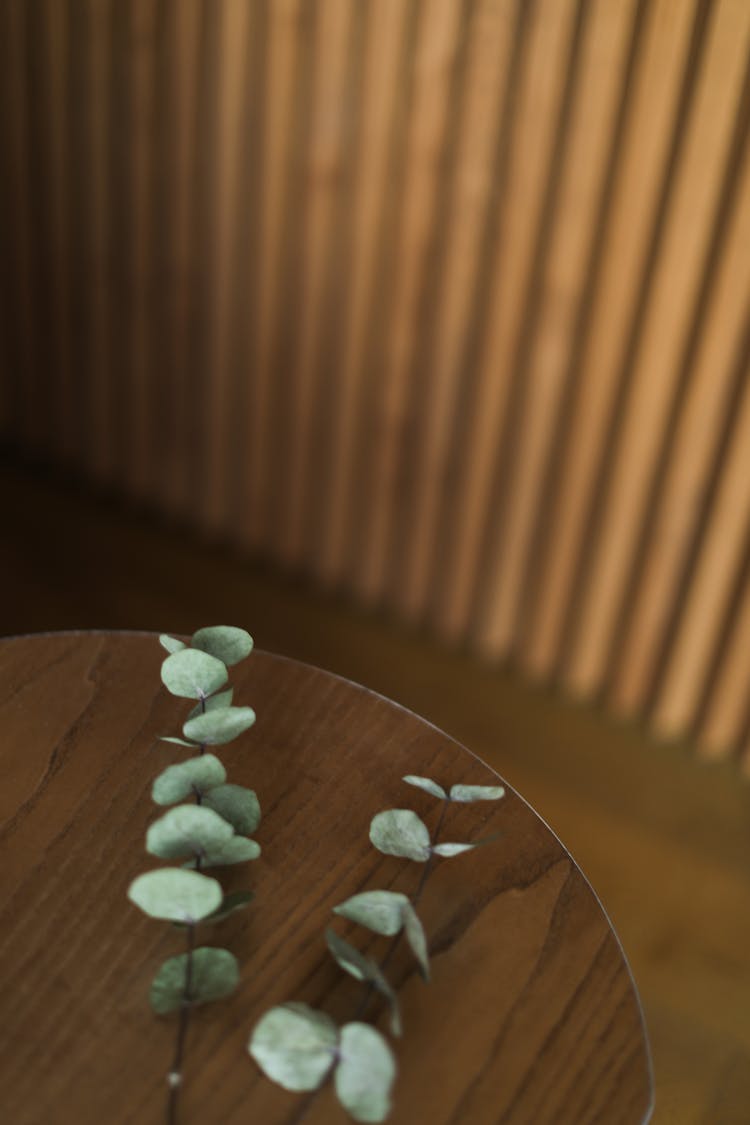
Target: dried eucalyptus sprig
299, 1047
211, 831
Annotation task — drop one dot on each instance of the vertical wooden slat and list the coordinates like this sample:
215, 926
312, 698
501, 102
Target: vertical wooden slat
716, 569
386, 29
434, 57
182, 18
651, 110
138, 454
682, 261
283, 47
490, 35
322, 171
540, 79
26, 374
692, 464
233, 36
533, 399
59, 375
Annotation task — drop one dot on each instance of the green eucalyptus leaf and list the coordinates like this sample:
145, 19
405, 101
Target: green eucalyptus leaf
226, 642
187, 829
195, 775
427, 784
178, 741
213, 703
238, 849
193, 674
229, 905
452, 849
175, 895
213, 973
294, 1046
416, 938
401, 832
171, 644
466, 793
364, 968
218, 727
239, 807
380, 911
365, 1074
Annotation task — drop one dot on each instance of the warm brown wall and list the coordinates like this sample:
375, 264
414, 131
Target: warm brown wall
442, 302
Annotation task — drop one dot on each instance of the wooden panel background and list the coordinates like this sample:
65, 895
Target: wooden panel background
444, 303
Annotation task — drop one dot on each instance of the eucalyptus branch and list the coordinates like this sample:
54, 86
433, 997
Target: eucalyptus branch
214, 830
299, 1047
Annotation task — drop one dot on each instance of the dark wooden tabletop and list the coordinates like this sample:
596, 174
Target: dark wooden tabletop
531, 1016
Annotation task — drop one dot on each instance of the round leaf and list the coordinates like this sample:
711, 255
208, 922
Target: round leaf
214, 973
380, 911
365, 1074
218, 727
427, 784
238, 806
193, 674
294, 1046
171, 644
226, 642
238, 849
230, 904
213, 703
466, 793
401, 832
175, 895
178, 782
452, 849
187, 829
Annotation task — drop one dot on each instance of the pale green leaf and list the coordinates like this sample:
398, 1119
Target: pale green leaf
380, 911
401, 832
175, 895
171, 644
466, 793
364, 968
427, 784
178, 741
193, 674
294, 1046
239, 807
186, 830
226, 642
238, 849
196, 775
365, 1074
229, 905
213, 703
218, 727
452, 849
416, 938
213, 973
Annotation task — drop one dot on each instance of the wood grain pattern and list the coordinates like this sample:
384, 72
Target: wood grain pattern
437, 302
524, 959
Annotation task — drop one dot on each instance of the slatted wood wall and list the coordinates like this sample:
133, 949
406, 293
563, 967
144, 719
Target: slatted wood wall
442, 302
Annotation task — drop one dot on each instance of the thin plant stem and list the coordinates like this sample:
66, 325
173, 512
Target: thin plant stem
369, 986
174, 1078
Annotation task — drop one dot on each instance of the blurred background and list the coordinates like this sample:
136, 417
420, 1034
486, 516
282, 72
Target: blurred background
414, 336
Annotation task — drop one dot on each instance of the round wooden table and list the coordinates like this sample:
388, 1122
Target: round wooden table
532, 1015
